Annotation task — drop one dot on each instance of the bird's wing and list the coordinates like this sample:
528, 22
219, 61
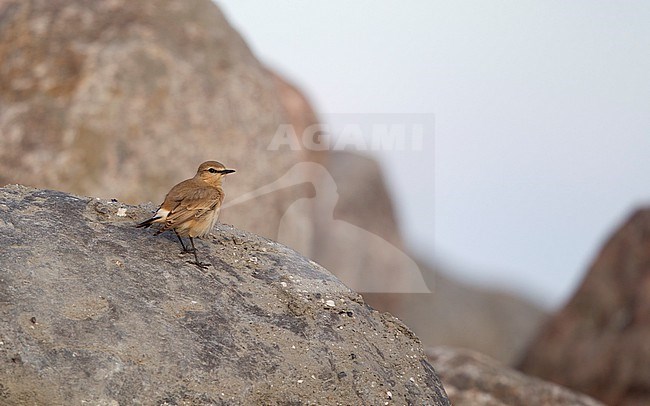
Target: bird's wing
188, 200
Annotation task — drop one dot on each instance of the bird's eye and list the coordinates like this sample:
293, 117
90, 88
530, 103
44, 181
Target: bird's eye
212, 170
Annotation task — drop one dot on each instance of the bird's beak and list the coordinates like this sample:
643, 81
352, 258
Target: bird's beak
227, 171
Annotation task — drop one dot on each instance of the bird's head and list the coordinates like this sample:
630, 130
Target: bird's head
213, 172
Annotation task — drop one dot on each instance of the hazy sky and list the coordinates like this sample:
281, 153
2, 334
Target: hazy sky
542, 119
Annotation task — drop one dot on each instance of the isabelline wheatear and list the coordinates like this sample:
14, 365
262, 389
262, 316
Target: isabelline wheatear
191, 208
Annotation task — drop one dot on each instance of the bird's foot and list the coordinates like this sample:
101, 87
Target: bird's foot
200, 265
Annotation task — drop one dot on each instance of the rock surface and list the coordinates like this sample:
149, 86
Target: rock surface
599, 343
472, 379
94, 310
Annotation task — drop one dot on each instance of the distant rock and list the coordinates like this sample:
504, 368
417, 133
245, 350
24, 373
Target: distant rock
93, 310
122, 99
494, 323
599, 343
472, 379
367, 185
358, 232
353, 231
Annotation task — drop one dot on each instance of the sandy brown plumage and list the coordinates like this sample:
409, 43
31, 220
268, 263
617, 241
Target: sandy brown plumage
191, 208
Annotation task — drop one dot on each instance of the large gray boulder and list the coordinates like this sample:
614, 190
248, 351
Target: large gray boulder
94, 310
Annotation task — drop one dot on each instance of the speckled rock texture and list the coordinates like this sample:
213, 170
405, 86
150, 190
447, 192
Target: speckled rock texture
599, 343
473, 379
94, 310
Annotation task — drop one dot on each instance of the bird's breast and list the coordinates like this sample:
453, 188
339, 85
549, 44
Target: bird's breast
204, 224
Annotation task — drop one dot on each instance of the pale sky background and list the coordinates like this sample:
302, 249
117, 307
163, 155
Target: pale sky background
542, 119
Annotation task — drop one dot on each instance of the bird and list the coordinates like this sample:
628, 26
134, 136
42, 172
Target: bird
191, 208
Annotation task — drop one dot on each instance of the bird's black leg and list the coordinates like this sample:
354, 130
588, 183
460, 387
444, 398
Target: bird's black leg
196, 258
181, 240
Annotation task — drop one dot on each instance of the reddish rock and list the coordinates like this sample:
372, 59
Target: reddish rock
599, 343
